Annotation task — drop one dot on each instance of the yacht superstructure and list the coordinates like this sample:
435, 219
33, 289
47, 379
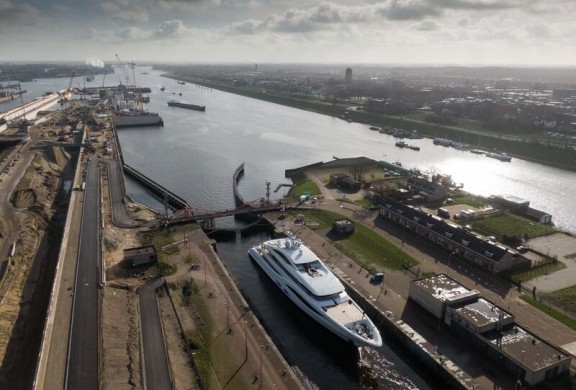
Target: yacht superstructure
306, 280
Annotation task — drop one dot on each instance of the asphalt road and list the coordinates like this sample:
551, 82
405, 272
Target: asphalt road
156, 372
120, 216
82, 363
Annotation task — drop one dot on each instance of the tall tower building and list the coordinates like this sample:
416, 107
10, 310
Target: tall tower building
348, 76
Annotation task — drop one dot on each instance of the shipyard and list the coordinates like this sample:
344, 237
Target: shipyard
444, 288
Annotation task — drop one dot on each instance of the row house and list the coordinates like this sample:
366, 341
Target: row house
453, 238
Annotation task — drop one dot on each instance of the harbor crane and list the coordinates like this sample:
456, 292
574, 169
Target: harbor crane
67, 91
124, 66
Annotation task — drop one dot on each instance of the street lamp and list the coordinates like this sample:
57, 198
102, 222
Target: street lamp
450, 261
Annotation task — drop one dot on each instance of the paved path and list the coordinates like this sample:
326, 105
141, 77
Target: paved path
563, 246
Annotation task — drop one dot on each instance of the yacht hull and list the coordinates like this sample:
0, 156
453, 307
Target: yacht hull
298, 297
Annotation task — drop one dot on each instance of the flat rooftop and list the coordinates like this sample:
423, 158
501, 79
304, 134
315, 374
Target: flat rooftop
524, 347
482, 313
442, 287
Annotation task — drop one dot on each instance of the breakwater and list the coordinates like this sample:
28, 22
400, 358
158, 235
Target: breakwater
157, 190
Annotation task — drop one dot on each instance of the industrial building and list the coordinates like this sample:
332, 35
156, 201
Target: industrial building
489, 329
143, 255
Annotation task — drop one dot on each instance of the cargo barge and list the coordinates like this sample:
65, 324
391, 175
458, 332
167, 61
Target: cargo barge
174, 103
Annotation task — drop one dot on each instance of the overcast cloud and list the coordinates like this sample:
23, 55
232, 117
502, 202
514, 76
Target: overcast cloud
510, 32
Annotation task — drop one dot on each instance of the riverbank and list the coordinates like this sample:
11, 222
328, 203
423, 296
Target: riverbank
527, 149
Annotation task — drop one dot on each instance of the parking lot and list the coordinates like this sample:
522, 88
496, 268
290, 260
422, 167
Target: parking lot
563, 247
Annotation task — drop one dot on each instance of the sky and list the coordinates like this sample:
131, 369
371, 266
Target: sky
408, 32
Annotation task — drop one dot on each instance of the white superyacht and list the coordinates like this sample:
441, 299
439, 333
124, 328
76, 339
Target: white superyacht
313, 288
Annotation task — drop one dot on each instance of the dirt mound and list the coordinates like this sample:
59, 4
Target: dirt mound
24, 198
112, 241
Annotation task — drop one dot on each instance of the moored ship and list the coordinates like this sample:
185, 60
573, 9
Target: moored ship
499, 156
136, 118
174, 103
311, 286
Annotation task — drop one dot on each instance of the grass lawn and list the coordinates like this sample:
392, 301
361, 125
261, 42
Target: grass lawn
551, 312
511, 225
565, 298
302, 185
365, 246
468, 200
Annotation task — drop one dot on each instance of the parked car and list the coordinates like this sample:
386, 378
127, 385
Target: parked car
377, 278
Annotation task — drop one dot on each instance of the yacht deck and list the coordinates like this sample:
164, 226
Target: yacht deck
345, 313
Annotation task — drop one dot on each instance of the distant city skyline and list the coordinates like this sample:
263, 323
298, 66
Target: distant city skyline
409, 32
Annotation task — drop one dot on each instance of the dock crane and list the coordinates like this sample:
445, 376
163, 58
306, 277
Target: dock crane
123, 67
64, 96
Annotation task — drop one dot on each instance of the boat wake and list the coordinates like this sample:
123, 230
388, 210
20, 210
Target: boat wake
376, 372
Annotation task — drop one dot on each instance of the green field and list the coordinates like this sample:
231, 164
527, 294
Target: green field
510, 225
372, 251
302, 186
468, 200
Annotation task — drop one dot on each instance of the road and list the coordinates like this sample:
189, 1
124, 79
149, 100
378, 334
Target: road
82, 363
120, 216
155, 362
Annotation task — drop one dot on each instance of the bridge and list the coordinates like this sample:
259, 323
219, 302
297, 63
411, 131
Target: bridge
189, 214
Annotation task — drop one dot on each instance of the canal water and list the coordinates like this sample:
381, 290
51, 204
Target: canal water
195, 155
326, 360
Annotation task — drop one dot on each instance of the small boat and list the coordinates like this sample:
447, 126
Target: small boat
416, 148
374, 128
163, 89
499, 156
311, 286
181, 83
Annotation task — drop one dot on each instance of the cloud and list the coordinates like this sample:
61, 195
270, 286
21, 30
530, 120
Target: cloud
170, 29
427, 25
538, 31
123, 11
132, 33
10, 12
479, 5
